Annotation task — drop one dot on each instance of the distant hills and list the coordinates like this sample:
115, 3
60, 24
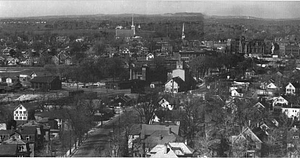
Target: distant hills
181, 14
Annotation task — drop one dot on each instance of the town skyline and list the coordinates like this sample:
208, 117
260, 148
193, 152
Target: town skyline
259, 9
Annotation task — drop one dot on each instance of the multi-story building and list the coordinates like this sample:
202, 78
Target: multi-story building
257, 46
289, 49
20, 113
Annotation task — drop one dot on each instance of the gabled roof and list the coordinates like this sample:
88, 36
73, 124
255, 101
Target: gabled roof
163, 153
184, 148
13, 140
43, 79
160, 137
259, 105
20, 105
248, 135
178, 80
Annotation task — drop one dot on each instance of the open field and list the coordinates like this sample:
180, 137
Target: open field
14, 71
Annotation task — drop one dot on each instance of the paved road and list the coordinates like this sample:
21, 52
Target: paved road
96, 140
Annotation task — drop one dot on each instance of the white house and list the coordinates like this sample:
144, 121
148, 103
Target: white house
165, 104
271, 86
9, 80
173, 85
236, 93
279, 101
172, 149
291, 112
290, 89
20, 113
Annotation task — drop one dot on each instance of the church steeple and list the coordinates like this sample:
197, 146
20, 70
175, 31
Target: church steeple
132, 25
182, 33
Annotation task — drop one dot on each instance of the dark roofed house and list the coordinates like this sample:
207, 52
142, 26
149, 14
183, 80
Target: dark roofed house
46, 83
124, 33
175, 85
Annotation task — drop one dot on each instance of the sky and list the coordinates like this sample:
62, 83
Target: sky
257, 8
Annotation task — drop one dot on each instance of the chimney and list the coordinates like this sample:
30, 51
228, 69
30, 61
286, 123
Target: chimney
170, 131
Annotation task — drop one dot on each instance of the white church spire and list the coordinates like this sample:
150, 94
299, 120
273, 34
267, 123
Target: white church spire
132, 25
182, 33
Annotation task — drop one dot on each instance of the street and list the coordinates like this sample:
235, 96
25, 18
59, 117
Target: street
97, 140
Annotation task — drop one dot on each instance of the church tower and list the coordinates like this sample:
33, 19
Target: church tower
132, 26
182, 33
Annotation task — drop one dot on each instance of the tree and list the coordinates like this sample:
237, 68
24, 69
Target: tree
146, 106
114, 67
100, 48
81, 115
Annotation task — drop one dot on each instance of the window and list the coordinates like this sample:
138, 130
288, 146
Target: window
17, 112
16, 118
24, 118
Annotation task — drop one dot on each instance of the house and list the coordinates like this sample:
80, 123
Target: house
165, 104
5, 135
160, 137
175, 85
144, 137
133, 134
246, 144
11, 80
61, 120
250, 73
279, 101
271, 86
20, 113
230, 106
292, 88
125, 34
22, 148
162, 151
236, 93
46, 83
259, 106
12, 61
179, 148
291, 112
